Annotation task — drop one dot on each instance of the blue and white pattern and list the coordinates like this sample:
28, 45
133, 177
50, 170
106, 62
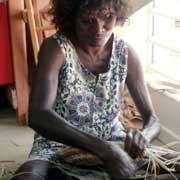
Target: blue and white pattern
92, 102
87, 101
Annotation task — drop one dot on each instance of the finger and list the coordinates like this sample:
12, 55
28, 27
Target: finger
144, 141
134, 149
134, 145
142, 146
141, 150
138, 144
128, 142
136, 137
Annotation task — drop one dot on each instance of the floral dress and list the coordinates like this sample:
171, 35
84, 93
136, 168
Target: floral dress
89, 102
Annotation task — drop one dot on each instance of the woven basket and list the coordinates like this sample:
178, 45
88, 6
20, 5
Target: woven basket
129, 115
82, 158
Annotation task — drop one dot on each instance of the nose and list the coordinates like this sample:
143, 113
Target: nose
99, 26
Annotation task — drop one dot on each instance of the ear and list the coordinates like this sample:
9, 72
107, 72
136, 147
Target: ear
120, 23
122, 20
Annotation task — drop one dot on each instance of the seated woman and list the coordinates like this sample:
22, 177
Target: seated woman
77, 94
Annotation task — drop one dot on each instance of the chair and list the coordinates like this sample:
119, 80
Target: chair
34, 17
22, 13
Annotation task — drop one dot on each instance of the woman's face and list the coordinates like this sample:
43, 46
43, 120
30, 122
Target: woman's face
94, 27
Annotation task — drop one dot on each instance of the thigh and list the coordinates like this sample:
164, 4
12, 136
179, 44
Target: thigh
38, 170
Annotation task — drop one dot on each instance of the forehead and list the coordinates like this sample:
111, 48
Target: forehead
106, 9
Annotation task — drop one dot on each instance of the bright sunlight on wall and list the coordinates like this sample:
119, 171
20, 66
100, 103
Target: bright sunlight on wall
154, 32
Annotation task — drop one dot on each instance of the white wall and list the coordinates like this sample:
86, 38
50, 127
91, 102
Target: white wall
168, 111
136, 33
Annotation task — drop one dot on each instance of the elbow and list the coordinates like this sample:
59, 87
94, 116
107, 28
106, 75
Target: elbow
158, 128
35, 118
156, 125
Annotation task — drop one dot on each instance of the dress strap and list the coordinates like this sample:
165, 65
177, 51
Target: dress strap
62, 41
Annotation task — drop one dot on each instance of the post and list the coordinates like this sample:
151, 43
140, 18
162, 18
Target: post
19, 56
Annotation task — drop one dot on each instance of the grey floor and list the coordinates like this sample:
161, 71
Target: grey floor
15, 140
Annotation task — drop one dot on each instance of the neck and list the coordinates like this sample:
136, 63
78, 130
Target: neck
93, 50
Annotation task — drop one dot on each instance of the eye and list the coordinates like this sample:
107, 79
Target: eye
108, 16
87, 21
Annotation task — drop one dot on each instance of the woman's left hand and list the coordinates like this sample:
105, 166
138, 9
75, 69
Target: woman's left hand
135, 143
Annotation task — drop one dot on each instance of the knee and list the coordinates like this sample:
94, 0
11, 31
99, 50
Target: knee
32, 170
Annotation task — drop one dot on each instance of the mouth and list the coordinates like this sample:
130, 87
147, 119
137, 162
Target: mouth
99, 36
95, 39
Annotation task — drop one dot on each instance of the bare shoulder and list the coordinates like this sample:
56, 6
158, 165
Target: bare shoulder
50, 54
134, 63
135, 73
133, 57
45, 84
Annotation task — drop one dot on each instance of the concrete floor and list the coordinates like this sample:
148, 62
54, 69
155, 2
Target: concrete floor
15, 140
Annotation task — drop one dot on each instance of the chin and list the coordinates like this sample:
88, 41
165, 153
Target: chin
97, 43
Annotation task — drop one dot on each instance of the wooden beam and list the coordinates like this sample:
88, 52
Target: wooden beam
37, 20
138, 4
48, 28
32, 27
19, 54
45, 28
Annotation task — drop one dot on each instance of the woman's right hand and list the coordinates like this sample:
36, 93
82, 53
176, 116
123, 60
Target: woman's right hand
118, 163
135, 143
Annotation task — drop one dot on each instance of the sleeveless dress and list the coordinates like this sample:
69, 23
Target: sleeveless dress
89, 102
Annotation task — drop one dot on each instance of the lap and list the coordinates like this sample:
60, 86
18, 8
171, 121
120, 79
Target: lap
39, 169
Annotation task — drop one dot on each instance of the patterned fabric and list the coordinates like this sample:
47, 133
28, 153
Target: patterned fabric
91, 102
87, 101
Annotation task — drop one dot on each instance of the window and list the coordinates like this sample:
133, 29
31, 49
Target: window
164, 38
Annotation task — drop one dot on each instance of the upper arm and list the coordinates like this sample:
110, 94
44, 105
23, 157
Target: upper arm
137, 86
44, 88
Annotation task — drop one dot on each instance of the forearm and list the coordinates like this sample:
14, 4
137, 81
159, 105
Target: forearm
50, 125
151, 129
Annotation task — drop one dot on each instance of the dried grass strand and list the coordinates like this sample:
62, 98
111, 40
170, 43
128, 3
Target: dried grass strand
157, 162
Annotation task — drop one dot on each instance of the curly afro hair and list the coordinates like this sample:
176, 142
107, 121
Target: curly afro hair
64, 12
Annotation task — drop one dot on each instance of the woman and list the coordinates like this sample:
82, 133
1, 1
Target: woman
77, 94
